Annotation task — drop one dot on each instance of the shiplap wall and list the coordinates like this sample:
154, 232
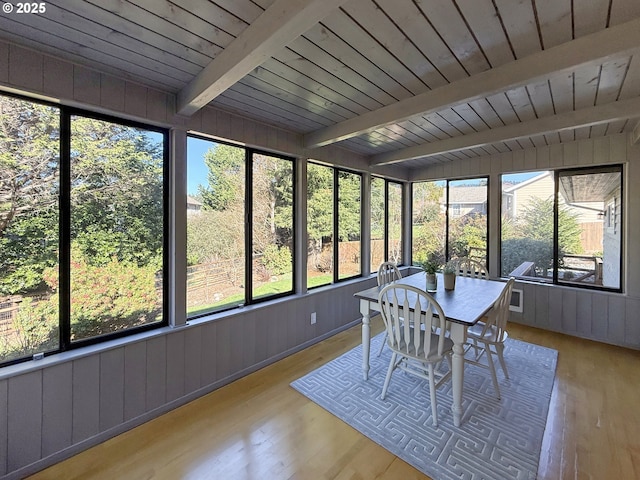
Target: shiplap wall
607, 317
58, 406
53, 408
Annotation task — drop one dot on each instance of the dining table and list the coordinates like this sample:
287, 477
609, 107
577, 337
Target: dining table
463, 307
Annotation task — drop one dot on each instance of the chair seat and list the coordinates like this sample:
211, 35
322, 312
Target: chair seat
476, 331
433, 347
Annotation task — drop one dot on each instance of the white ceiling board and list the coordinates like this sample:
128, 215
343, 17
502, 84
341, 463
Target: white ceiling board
584, 51
370, 63
284, 21
583, 118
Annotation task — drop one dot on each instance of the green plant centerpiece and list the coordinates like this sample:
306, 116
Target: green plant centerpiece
449, 275
430, 267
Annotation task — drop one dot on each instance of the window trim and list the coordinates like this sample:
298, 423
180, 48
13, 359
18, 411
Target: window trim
64, 234
248, 222
386, 189
616, 167
336, 223
447, 181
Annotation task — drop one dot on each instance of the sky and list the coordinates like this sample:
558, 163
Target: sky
196, 169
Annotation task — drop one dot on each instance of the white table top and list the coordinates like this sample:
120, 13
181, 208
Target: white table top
471, 299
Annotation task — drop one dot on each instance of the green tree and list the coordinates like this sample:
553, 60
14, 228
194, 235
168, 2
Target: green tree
429, 221
349, 205
116, 194
29, 190
536, 222
225, 180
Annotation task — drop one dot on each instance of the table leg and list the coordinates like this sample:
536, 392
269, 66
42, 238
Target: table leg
459, 337
366, 337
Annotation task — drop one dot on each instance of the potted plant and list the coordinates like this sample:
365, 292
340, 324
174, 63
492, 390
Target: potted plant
430, 267
449, 275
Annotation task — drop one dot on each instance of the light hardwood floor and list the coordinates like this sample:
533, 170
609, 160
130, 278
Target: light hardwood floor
260, 428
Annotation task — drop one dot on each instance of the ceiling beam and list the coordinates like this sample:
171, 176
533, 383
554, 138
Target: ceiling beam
281, 23
590, 49
585, 117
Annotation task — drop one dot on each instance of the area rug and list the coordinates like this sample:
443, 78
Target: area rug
498, 439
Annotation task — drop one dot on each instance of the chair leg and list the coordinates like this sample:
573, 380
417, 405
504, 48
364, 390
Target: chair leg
475, 348
492, 368
384, 342
392, 365
432, 392
500, 352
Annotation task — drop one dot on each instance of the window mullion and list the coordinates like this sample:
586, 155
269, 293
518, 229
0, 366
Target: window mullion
64, 317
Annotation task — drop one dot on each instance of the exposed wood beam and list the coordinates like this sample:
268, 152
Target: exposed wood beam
609, 112
281, 23
590, 49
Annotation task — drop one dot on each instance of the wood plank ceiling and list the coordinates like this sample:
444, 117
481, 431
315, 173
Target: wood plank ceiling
411, 81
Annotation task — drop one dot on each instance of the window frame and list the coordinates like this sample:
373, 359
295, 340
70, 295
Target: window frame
64, 225
385, 234
448, 207
249, 152
619, 226
336, 222
248, 212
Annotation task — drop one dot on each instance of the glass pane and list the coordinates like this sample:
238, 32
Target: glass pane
116, 227
377, 223
527, 226
429, 221
349, 224
215, 226
395, 223
320, 212
29, 188
589, 227
272, 236
468, 219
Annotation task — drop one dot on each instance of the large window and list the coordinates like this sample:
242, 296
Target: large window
320, 208
563, 227
378, 222
334, 211
394, 222
215, 226
386, 222
272, 225
224, 182
449, 220
81, 228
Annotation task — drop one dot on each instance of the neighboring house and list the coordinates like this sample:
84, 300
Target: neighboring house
193, 205
466, 199
516, 198
588, 211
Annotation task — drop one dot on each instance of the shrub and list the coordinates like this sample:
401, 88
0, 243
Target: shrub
518, 250
109, 298
35, 326
277, 260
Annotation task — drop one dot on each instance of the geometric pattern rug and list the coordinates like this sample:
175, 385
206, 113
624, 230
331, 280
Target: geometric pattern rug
497, 439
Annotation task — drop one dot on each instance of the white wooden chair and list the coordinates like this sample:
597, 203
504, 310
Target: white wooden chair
488, 336
411, 316
387, 272
468, 267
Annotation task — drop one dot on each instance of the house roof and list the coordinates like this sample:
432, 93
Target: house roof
468, 194
193, 201
400, 81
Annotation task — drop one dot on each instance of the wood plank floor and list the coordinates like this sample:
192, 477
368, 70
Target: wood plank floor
260, 428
